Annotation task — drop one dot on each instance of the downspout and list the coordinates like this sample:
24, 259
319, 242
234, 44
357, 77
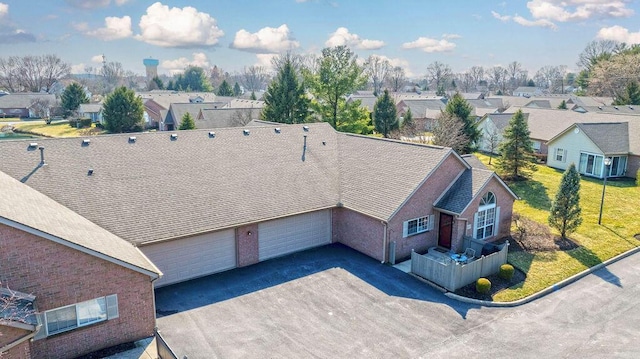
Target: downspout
384, 242
21, 340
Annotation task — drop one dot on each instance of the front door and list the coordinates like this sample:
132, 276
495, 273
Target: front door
445, 230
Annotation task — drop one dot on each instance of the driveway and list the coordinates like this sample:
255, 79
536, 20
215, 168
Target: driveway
333, 302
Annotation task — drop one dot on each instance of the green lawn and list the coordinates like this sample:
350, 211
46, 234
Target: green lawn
597, 242
9, 119
56, 129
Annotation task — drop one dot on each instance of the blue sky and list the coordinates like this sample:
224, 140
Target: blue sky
236, 33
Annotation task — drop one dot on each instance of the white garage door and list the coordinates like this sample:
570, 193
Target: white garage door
193, 257
295, 233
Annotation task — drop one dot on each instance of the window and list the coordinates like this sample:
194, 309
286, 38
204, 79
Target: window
417, 225
618, 166
81, 314
485, 218
591, 164
561, 155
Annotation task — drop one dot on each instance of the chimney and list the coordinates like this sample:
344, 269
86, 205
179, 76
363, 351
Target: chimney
42, 163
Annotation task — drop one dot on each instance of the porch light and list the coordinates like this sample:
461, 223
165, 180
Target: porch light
607, 163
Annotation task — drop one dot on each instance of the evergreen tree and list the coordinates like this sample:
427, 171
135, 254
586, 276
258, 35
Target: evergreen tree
193, 79
562, 105
565, 212
253, 96
122, 111
516, 150
630, 96
225, 89
530, 83
187, 122
285, 99
72, 97
408, 124
237, 91
171, 85
448, 131
385, 116
158, 83
458, 107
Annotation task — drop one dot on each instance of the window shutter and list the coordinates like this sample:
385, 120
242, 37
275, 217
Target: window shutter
496, 222
475, 225
112, 306
42, 333
431, 220
564, 158
405, 229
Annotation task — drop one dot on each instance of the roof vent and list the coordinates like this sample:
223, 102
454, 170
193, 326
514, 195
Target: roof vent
305, 128
212, 134
630, 107
90, 172
599, 107
33, 145
616, 107
174, 136
277, 130
86, 142
246, 132
132, 139
324, 143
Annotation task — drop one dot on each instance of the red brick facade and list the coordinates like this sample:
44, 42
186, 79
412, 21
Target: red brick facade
248, 246
58, 276
8, 336
360, 232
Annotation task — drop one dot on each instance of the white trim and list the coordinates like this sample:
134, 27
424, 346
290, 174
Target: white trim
427, 225
496, 222
82, 249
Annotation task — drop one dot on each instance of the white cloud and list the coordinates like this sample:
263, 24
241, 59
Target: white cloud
578, 10
534, 23
175, 27
178, 65
121, 2
115, 28
342, 36
430, 45
503, 18
94, 4
451, 36
620, 34
4, 10
78, 69
264, 60
266, 40
96, 59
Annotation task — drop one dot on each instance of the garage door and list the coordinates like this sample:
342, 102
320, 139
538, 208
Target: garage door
295, 233
193, 257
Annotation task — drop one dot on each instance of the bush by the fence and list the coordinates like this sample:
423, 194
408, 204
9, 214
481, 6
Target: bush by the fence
506, 271
483, 285
85, 122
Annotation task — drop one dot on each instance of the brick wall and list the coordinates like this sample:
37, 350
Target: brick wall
633, 164
9, 335
59, 276
421, 204
360, 232
247, 244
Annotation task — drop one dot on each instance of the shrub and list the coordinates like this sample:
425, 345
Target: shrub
483, 285
85, 122
638, 178
73, 122
506, 271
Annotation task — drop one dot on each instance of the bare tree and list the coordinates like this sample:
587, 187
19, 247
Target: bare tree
31, 73
465, 82
550, 77
377, 68
448, 131
514, 75
243, 116
477, 74
113, 75
440, 74
254, 78
41, 107
396, 79
597, 50
498, 76
11, 307
492, 140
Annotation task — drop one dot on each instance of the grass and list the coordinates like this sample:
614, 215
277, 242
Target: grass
597, 242
56, 129
9, 119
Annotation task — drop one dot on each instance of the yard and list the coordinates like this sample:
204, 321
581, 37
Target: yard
55, 129
541, 255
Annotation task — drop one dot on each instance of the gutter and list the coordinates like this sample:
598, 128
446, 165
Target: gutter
384, 242
20, 340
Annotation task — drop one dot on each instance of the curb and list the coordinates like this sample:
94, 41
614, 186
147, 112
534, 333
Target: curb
547, 290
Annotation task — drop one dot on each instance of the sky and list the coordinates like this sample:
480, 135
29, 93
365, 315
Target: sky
234, 34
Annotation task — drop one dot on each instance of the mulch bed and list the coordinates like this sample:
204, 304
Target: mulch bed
497, 284
109, 351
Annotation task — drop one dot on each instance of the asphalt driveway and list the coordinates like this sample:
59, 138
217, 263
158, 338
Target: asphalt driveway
332, 302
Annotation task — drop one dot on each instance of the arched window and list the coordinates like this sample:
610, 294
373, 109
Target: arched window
485, 218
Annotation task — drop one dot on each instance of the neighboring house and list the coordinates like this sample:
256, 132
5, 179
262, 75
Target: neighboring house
175, 112
492, 128
237, 196
225, 117
630, 110
588, 144
367, 100
92, 111
166, 97
424, 110
27, 105
244, 103
153, 112
91, 289
546, 124
528, 91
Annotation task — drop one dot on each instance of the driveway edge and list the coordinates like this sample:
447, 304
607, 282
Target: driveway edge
547, 290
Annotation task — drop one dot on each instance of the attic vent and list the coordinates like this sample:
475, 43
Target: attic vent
630, 107
277, 130
86, 142
33, 145
212, 134
616, 107
132, 139
90, 172
246, 132
324, 143
305, 128
599, 107
174, 136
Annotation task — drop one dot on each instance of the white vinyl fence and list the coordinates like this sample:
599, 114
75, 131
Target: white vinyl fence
451, 275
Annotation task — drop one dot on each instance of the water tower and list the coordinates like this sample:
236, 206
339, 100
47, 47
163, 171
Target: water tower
152, 68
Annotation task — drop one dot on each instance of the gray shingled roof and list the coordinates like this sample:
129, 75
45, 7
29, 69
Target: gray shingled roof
25, 100
156, 188
226, 117
24, 205
464, 190
611, 138
177, 110
474, 161
501, 120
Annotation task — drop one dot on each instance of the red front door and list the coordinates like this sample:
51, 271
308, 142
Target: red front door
445, 228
